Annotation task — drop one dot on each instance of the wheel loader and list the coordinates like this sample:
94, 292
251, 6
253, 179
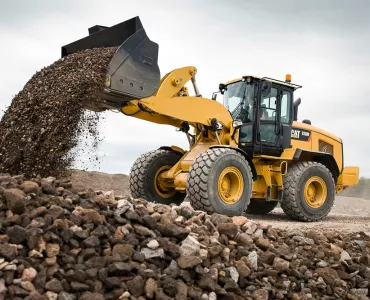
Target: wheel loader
246, 154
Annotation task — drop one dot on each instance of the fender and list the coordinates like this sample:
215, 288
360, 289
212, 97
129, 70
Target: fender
174, 149
246, 156
321, 157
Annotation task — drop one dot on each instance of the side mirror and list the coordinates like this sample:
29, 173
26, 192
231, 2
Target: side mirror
265, 88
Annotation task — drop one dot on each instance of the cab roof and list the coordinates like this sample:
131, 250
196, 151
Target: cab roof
291, 85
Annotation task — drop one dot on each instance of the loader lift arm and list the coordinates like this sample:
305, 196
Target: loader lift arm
172, 105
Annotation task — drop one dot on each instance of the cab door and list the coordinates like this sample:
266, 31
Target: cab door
274, 121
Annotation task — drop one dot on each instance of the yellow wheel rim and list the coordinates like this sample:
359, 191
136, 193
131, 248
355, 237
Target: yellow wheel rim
230, 185
161, 186
315, 192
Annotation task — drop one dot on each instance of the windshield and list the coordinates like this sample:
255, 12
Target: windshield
238, 100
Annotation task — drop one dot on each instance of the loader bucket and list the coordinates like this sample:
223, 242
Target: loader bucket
133, 72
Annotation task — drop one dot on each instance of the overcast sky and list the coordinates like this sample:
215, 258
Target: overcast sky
324, 45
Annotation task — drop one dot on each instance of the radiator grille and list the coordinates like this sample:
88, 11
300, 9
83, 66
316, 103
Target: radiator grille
325, 147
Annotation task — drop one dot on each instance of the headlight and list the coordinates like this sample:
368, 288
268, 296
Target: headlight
237, 123
248, 79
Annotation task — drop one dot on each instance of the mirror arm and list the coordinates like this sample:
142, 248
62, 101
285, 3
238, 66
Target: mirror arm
232, 136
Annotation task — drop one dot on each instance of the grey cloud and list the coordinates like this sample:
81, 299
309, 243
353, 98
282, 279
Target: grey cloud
332, 16
19, 13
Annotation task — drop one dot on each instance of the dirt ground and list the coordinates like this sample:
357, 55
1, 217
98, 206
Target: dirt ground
101, 181
349, 214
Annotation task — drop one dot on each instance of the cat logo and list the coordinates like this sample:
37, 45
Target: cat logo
295, 134
301, 135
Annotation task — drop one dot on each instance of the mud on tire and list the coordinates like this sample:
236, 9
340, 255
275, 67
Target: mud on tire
202, 185
294, 204
143, 172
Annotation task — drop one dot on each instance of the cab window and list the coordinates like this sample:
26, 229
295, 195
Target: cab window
285, 107
268, 106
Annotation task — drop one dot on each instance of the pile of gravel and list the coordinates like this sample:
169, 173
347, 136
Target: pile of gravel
46, 120
57, 242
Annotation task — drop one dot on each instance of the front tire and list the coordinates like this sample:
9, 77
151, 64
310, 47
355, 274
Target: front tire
144, 176
220, 180
309, 191
261, 207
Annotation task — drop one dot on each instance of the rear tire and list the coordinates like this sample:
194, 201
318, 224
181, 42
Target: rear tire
261, 207
220, 181
143, 176
309, 191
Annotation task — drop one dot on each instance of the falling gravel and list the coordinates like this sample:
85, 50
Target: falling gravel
46, 121
60, 242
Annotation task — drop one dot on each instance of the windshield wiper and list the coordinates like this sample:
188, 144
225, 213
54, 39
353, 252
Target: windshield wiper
240, 108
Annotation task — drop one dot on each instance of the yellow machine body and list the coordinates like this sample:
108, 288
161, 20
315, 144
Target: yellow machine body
216, 173
172, 105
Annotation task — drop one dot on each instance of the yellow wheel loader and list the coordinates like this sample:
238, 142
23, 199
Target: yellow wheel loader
245, 155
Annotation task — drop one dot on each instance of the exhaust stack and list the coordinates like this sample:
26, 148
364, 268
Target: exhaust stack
295, 109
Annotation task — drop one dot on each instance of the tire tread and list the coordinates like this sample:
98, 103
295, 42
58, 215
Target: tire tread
196, 189
289, 203
138, 171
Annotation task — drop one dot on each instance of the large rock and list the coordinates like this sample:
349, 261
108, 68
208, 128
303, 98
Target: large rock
173, 231
89, 215
123, 249
280, 264
150, 288
189, 246
54, 285
142, 230
228, 229
48, 188
15, 200
119, 269
136, 286
17, 234
88, 296
29, 274
242, 268
56, 212
239, 220
329, 275
261, 294
186, 262
8, 252
31, 187
244, 239
263, 243
52, 249
152, 253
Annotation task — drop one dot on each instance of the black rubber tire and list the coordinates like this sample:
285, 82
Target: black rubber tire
142, 175
294, 204
203, 181
261, 206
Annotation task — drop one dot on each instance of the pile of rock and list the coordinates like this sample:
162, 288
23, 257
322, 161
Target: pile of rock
46, 120
57, 242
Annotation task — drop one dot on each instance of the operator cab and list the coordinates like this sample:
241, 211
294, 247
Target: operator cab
263, 109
